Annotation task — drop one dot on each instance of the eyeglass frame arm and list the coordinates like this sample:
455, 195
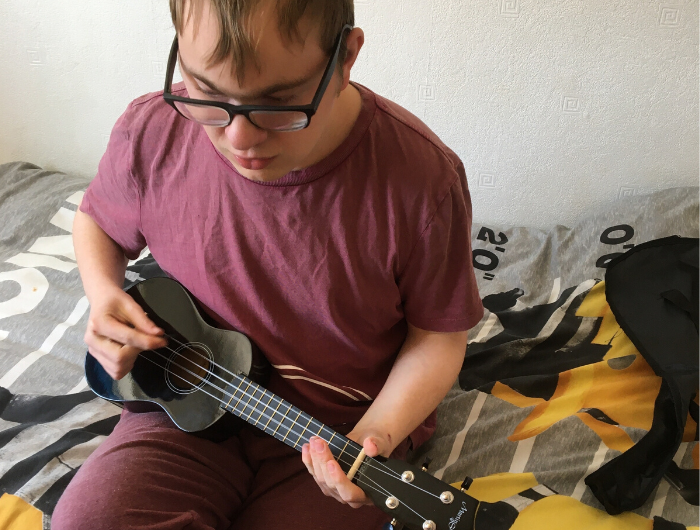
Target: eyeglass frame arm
245, 110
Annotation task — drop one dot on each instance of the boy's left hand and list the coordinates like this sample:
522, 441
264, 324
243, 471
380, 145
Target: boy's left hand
327, 472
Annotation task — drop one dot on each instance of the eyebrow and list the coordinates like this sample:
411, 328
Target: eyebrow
265, 92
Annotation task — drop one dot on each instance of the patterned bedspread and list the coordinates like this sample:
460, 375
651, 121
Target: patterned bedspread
550, 390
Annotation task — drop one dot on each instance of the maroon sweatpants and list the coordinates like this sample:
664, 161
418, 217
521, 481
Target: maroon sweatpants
149, 475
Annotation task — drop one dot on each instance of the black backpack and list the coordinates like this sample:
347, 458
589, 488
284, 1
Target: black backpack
653, 292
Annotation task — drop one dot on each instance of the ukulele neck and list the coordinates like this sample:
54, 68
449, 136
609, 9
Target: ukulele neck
279, 418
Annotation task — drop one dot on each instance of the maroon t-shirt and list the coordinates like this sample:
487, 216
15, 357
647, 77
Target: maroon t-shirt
322, 268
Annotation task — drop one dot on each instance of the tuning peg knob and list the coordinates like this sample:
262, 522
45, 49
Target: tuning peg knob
425, 465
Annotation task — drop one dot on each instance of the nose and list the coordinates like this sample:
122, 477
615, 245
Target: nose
243, 135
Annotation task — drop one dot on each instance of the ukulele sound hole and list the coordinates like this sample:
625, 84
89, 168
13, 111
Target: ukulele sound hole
188, 368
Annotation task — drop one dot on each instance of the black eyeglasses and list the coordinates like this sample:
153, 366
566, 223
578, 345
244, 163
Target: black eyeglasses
268, 117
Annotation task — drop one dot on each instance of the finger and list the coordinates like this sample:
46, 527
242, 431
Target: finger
120, 332
115, 358
333, 477
320, 454
308, 462
347, 491
306, 458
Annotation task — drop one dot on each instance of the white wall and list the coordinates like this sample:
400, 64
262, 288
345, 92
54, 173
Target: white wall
554, 106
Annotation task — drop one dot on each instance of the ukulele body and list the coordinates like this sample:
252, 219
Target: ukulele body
209, 351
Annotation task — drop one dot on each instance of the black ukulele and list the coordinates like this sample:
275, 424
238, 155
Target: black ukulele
202, 373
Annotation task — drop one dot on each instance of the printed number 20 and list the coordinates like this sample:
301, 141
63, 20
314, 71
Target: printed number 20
486, 234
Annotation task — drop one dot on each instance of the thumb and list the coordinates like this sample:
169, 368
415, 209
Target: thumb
374, 446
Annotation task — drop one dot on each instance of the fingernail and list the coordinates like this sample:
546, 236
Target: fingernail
318, 445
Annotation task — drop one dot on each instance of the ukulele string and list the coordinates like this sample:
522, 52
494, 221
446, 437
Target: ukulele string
361, 475
224, 392
379, 465
386, 470
386, 492
243, 392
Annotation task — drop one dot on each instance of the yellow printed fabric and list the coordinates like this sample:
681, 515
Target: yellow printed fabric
16, 514
566, 392
558, 512
551, 512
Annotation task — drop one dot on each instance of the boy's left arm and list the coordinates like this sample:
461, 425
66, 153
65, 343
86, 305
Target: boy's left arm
424, 371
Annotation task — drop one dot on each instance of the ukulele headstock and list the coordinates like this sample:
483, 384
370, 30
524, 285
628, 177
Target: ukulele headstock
414, 497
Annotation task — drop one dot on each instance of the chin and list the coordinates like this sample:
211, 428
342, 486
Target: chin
262, 175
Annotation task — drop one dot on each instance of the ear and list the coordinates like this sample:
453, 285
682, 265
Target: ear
355, 40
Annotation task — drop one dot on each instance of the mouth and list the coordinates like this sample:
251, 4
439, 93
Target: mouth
253, 163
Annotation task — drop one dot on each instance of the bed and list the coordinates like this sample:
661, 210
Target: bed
526, 440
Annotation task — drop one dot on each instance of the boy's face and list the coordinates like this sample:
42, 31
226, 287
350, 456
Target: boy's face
289, 74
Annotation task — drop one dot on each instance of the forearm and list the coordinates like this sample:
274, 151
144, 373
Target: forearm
424, 371
100, 260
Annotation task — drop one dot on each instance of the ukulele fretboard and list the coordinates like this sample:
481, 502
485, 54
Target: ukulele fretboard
279, 418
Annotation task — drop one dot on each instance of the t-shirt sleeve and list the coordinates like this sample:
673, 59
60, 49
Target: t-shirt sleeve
112, 199
438, 287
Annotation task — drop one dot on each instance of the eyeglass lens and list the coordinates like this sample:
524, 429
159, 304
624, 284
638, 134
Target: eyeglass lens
203, 114
268, 120
279, 121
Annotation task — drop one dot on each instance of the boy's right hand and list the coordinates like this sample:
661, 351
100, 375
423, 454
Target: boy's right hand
118, 330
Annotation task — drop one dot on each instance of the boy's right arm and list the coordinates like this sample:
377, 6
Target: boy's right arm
118, 328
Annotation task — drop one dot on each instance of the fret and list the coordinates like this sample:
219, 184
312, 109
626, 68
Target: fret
272, 415
257, 402
291, 427
247, 403
265, 407
233, 395
320, 430
334, 435
282, 420
286, 424
254, 406
303, 431
343, 449
293, 424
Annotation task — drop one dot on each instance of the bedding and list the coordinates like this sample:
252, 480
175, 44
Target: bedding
550, 390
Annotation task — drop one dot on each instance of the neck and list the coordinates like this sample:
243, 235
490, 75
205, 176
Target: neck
345, 113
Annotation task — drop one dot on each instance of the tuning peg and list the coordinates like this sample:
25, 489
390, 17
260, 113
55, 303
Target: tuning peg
425, 465
393, 525
466, 483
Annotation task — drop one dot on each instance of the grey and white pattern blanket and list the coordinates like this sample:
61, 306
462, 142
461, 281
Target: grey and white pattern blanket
533, 282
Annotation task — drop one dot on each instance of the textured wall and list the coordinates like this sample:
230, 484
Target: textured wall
552, 106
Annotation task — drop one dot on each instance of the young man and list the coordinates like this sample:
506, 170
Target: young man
336, 236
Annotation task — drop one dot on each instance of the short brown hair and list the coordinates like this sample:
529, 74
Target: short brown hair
235, 40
